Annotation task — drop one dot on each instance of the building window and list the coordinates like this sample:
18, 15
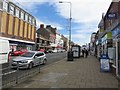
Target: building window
11, 9
33, 21
5, 6
17, 12
26, 17
1, 5
30, 19
22, 15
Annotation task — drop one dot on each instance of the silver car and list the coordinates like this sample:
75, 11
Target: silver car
29, 59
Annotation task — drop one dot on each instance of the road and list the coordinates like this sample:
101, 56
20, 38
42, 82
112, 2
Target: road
13, 75
51, 57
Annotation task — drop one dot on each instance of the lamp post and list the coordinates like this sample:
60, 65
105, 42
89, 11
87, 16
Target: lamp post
69, 22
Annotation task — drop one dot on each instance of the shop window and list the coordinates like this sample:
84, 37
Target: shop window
17, 12
26, 17
11, 9
5, 6
22, 15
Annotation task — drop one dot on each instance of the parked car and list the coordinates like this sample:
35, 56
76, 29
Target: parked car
55, 50
62, 50
41, 50
50, 51
19, 52
29, 59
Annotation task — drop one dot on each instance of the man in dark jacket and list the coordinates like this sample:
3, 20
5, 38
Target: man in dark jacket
86, 53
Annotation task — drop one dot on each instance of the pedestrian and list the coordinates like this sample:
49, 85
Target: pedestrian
86, 53
82, 52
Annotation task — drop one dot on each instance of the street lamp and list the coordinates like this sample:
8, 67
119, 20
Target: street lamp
69, 22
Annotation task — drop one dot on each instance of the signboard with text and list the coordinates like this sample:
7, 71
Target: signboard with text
105, 65
112, 15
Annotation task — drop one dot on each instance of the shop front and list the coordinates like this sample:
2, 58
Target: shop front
116, 44
16, 45
106, 42
98, 48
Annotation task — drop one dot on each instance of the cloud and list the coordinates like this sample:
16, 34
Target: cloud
80, 38
85, 10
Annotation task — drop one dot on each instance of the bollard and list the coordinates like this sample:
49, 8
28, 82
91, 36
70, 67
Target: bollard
17, 73
39, 65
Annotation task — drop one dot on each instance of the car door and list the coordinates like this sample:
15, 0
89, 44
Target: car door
37, 58
41, 58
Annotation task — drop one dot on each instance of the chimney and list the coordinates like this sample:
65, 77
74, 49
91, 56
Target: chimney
41, 26
48, 26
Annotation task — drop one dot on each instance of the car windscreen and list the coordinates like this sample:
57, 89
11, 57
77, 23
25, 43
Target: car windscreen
28, 54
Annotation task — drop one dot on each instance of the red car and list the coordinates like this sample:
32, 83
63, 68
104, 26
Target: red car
19, 52
41, 50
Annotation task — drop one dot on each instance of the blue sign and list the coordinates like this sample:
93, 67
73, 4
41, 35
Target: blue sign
112, 15
104, 63
116, 31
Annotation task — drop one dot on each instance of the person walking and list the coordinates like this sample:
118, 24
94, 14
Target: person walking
82, 52
86, 53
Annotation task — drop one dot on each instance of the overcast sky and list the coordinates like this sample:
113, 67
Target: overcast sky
86, 15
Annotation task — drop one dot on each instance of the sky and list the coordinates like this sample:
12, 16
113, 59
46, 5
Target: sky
86, 15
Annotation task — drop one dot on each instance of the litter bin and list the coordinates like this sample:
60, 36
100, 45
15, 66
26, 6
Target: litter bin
70, 56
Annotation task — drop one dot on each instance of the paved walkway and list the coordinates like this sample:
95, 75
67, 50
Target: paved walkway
80, 73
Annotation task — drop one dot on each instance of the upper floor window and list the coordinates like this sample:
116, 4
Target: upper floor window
22, 15
17, 12
26, 17
11, 9
30, 19
5, 6
33, 21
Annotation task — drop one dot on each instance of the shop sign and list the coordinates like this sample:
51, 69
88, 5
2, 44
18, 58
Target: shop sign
116, 31
101, 30
109, 35
112, 15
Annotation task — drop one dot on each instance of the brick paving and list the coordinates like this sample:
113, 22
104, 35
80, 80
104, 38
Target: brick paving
80, 73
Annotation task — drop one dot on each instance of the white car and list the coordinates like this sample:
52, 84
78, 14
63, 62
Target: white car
29, 59
55, 50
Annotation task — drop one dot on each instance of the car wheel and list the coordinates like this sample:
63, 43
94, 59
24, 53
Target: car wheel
44, 61
30, 65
